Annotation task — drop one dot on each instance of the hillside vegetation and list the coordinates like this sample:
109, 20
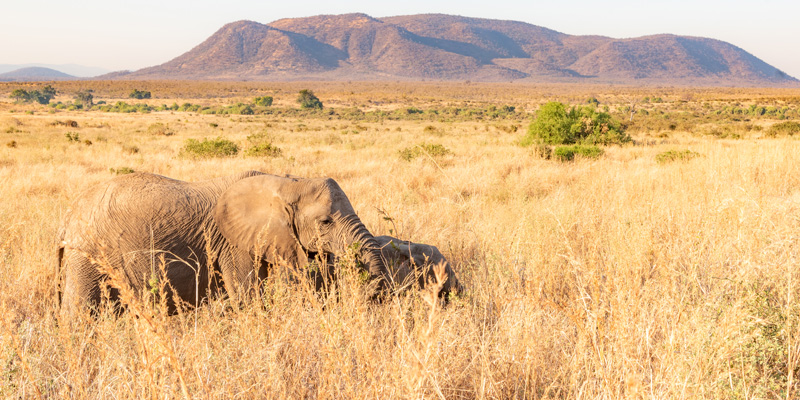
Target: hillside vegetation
663, 268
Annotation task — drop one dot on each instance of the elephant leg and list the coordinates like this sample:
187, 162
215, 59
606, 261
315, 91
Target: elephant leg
240, 273
81, 284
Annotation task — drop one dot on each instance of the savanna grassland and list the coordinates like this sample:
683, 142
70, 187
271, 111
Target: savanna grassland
665, 268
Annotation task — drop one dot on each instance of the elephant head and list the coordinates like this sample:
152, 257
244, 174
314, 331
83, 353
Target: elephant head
415, 264
288, 219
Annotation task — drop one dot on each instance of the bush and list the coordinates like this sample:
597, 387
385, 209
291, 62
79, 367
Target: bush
121, 170
676, 155
139, 94
568, 153
42, 96
72, 137
433, 150
264, 101
209, 148
246, 110
581, 125
307, 99
263, 150
123, 107
788, 128
19, 95
85, 98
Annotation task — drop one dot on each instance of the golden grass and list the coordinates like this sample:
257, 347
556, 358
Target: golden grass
616, 278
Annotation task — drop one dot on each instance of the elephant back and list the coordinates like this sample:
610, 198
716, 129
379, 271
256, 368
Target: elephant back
134, 217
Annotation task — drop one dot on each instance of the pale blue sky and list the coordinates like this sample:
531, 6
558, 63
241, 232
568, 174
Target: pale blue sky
135, 34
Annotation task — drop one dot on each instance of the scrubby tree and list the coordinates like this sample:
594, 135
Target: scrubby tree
49, 93
20, 95
307, 99
554, 124
37, 96
85, 98
139, 94
42, 96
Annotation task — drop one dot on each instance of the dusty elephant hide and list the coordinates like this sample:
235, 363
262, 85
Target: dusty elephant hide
202, 238
414, 265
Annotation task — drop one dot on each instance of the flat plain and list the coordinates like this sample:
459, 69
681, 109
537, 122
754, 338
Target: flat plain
665, 268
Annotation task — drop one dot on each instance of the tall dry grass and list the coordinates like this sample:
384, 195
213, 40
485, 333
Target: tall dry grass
616, 278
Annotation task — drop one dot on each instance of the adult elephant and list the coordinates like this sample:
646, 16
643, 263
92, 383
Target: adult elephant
185, 234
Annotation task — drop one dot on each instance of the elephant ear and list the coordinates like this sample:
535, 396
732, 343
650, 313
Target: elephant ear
256, 214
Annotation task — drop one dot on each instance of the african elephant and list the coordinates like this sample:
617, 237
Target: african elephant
235, 227
412, 264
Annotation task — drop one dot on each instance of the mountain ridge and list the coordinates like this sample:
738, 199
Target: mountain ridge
450, 47
35, 74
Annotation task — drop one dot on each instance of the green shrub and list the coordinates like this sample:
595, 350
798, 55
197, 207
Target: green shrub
433, 150
139, 94
307, 99
263, 150
554, 124
123, 107
246, 110
568, 153
72, 137
676, 155
209, 148
264, 101
788, 128
121, 170
761, 354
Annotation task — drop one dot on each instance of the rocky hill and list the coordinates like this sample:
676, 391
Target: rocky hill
446, 47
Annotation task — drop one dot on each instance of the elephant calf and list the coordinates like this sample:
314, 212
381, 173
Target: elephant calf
413, 264
149, 228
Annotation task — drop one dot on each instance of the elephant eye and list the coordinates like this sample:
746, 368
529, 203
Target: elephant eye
326, 221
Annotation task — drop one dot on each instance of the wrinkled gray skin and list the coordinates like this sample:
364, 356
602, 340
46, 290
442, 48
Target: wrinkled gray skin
411, 264
234, 227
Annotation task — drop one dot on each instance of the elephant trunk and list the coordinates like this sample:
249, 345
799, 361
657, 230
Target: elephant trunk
368, 250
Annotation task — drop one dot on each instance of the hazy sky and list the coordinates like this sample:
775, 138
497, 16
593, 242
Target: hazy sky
135, 34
